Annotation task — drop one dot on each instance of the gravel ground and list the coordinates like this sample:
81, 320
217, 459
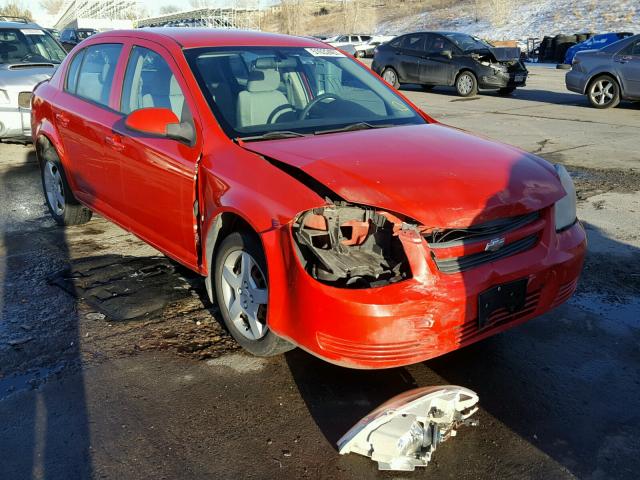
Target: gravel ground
170, 395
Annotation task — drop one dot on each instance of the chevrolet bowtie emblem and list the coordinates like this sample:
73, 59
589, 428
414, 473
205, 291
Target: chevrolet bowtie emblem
494, 244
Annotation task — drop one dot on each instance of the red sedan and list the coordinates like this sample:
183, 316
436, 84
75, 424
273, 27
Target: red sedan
323, 209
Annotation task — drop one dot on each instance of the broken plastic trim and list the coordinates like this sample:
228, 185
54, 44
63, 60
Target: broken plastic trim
351, 246
403, 433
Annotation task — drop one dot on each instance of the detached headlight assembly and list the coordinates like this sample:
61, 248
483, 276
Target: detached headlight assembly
565, 208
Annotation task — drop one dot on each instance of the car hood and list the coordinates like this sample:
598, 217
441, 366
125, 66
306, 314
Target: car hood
24, 75
438, 175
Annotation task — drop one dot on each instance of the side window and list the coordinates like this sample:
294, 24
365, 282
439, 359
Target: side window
72, 72
149, 82
437, 44
414, 42
633, 49
97, 70
396, 42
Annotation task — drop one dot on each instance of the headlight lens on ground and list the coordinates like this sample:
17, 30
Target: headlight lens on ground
565, 208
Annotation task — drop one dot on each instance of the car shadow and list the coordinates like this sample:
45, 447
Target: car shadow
37, 440
545, 381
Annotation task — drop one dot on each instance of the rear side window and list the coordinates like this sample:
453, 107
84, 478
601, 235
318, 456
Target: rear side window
414, 42
72, 72
96, 72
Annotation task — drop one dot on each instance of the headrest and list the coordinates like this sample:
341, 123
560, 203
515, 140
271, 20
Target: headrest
264, 62
263, 80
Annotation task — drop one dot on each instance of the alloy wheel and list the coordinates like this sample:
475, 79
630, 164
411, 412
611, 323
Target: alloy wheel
244, 290
603, 92
54, 188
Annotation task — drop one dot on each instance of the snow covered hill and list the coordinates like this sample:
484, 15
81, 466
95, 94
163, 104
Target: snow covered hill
528, 19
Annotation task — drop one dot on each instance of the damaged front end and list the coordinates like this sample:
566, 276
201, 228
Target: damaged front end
403, 433
501, 68
353, 246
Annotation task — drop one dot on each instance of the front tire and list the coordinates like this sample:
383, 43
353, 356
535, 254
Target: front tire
390, 76
604, 92
62, 204
466, 84
241, 286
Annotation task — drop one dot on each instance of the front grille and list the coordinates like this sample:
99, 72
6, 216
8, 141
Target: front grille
500, 317
24, 99
460, 264
460, 236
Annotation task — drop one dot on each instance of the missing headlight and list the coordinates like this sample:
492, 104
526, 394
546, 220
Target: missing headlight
350, 246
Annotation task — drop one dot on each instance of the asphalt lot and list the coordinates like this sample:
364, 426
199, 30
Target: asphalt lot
169, 395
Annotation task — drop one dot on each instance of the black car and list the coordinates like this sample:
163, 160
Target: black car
450, 59
70, 37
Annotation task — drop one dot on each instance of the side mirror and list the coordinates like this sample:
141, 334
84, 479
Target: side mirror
447, 53
159, 122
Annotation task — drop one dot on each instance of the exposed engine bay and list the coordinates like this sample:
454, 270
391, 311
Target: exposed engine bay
504, 59
352, 246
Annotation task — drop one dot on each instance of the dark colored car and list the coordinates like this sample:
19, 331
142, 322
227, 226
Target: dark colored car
70, 37
608, 75
450, 59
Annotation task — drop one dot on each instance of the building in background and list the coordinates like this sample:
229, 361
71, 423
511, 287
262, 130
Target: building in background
244, 15
98, 14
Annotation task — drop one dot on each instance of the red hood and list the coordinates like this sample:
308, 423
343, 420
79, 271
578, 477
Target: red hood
438, 175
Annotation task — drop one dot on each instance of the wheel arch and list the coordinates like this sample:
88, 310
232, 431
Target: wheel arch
221, 225
598, 74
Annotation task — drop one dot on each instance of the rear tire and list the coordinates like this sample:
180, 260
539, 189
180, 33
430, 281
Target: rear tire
62, 204
466, 84
604, 92
241, 286
390, 76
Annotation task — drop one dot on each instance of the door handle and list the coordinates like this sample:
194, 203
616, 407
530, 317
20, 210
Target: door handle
623, 59
114, 142
62, 119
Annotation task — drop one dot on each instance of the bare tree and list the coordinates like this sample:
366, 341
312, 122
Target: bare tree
294, 15
52, 6
13, 9
358, 16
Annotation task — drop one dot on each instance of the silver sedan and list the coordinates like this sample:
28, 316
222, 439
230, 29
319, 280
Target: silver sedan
608, 75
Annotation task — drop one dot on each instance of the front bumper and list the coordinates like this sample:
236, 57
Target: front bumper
15, 122
502, 80
413, 320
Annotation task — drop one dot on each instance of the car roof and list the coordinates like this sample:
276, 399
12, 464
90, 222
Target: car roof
211, 37
19, 25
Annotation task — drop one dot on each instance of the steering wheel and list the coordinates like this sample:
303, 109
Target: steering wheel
315, 101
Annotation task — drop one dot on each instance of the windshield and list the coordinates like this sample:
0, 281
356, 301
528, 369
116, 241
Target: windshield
29, 45
467, 42
257, 90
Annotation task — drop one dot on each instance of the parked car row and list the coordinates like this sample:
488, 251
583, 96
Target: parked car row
321, 207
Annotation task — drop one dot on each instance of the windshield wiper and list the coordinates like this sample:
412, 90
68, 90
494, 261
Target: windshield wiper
352, 128
272, 136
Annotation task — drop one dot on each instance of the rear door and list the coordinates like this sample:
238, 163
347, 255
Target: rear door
436, 68
159, 173
629, 68
85, 120
410, 53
